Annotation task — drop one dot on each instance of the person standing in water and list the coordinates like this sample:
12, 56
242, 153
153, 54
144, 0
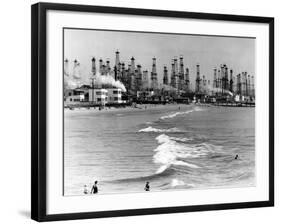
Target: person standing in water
236, 157
95, 188
147, 187
85, 189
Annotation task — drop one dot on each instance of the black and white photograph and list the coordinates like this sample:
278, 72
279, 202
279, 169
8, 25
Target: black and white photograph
150, 112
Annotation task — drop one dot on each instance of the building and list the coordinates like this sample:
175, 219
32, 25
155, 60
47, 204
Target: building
98, 96
104, 96
145, 95
114, 95
73, 96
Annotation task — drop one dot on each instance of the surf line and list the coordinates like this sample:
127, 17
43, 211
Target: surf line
180, 113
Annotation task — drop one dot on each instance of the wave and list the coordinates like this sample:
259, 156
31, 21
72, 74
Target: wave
180, 113
176, 151
176, 182
151, 129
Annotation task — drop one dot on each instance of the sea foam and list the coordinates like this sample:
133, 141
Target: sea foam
157, 130
180, 113
176, 182
175, 151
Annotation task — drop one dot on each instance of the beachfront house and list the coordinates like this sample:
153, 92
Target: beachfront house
73, 96
98, 96
114, 95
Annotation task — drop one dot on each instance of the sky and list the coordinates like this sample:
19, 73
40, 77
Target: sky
209, 51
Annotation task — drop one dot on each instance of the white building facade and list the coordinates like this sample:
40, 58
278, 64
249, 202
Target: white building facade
98, 96
73, 96
114, 95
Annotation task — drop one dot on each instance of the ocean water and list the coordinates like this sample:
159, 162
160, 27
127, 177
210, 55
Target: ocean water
173, 147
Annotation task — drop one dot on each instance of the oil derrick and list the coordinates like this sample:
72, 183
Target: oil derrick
154, 84
243, 84
249, 86
100, 66
173, 75
222, 79
204, 82
219, 80
165, 76
107, 67
132, 75
117, 67
176, 73
215, 81
138, 78
226, 83
123, 73
198, 80
181, 74
239, 84
117, 60
187, 80
103, 70
93, 71
66, 67
253, 86
231, 80
145, 85
246, 84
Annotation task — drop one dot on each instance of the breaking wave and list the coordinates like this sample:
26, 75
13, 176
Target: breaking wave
180, 113
176, 151
157, 130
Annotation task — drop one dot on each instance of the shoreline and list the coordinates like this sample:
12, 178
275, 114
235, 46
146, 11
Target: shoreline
138, 107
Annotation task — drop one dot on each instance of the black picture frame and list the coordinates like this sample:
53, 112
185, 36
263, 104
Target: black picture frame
39, 108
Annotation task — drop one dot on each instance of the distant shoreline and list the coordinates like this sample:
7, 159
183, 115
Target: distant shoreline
138, 107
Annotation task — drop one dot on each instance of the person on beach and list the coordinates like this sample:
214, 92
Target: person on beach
85, 189
95, 188
236, 157
147, 187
